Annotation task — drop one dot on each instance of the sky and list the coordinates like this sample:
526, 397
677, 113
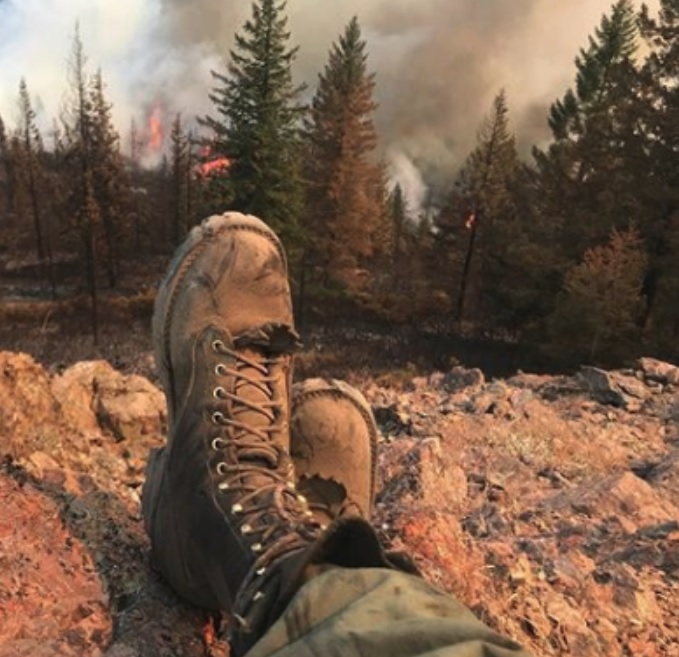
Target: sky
439, 63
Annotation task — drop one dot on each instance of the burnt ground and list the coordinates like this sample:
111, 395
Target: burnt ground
548, 504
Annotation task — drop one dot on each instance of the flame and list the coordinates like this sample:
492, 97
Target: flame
155, 130
217, 165
471, 220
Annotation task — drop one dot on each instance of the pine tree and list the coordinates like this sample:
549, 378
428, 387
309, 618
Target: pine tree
32, 142
481, 205
345, 185
597, 314
398, 211
81, 202
33, 176
180, 176
613, 46
257, 122
587, 183
109, 179
661, 175
589, 175
7, 173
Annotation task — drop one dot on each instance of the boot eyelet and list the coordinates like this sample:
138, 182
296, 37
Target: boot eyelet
236, 509
218, 418
218, 444
220, 370
260, 572
222, 468
219, 393
224, 485
245, 530
217, 345
257, 596
257, 547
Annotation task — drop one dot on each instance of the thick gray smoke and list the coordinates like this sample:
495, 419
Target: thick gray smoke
439, 62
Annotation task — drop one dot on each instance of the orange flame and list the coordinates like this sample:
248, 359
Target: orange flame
217, 165
155, 130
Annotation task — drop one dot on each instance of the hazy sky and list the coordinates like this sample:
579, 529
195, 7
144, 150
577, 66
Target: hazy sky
439, 62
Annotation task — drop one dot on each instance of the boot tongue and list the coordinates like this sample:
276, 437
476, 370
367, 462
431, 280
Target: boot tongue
257, 393
274, 339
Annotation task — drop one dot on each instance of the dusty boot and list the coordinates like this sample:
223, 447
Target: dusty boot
333, 446
219, 502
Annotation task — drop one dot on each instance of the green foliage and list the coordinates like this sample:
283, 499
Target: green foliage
257, 123
613, 45
597, 316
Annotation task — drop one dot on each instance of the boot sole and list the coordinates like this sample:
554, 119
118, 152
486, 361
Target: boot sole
320, 387
201, 236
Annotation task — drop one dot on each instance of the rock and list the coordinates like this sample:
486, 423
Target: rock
601, 387
631, 386
29, 414
659, 371
392, 421
460, 378
43, 462
131, 407
96, 397
74, 391
664, 477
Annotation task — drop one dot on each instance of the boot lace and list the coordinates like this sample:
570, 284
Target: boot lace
272, 518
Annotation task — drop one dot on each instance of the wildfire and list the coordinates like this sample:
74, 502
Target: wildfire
155, 130
211, 165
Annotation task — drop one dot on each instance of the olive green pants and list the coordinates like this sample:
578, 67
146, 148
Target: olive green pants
374, 612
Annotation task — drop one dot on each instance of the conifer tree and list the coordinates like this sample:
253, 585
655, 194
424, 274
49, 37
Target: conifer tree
587, 176
597, 314
109, 179
482, 204
598, 68
179, 177
81, 202
399, 216
257, 122
7, 173
661, 176
32, 143
346, 194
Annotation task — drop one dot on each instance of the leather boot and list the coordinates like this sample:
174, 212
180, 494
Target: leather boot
333, 444
220, 503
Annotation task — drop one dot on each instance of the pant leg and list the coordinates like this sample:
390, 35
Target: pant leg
374, 612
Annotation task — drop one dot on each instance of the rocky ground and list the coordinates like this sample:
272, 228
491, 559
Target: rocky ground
550, 505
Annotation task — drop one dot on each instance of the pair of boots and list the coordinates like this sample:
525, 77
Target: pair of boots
261, 485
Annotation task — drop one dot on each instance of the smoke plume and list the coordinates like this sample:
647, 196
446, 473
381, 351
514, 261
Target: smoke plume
439, 63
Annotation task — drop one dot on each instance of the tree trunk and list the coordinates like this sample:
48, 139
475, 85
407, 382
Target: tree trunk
92, 283
466, 269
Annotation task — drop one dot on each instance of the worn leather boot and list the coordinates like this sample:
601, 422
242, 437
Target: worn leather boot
219, 502
229, 530
333, 444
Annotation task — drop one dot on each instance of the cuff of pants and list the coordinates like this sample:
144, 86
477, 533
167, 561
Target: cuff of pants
375, 612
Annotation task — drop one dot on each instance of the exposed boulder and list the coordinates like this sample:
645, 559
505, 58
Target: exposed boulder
96, 397
657, 370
